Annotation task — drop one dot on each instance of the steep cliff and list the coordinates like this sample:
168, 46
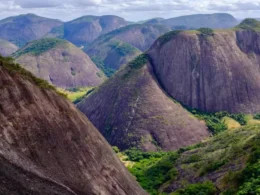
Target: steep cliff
60, 63
41, 128
131, 110
211, 71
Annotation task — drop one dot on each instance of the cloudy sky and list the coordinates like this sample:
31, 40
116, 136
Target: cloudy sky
132, 10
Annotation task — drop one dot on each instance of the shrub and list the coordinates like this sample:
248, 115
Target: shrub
116, 149
139, 61
241, 118
168, 36
206, 31
137, 155
257, 116
206, 188
212, 166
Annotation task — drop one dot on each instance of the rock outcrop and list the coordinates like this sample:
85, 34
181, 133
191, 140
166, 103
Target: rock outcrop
7, 48
48, 147
60, 63
131, 110
211, 72
24, 28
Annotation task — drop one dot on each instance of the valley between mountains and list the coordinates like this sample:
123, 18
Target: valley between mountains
103, 106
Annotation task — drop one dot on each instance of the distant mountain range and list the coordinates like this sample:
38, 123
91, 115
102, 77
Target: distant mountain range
84, 30
110, 40
24, 28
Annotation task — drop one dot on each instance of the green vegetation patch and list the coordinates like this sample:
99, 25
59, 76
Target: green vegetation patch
100, 64
206, 188
257, 116
168, 36
249, 24
225, 155
152, 169
206, 31
40, 46
76, 94
139, 61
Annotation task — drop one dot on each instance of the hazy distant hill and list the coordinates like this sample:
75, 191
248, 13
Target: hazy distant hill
24, 28
86, 29
217, 20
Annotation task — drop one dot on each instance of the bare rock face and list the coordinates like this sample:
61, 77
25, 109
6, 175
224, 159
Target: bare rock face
131, 110
41, 128
218, 72
7, 48
60, 63
24, 28
19, 175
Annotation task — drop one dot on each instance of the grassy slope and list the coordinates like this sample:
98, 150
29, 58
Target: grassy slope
231, 160
76, 94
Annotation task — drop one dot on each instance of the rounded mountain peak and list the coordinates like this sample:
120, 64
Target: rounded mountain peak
60, 63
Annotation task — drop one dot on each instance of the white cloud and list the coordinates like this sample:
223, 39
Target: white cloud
130, 9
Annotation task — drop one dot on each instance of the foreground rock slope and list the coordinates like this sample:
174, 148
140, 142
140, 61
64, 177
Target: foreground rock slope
48, 147
60, 63
131, 110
